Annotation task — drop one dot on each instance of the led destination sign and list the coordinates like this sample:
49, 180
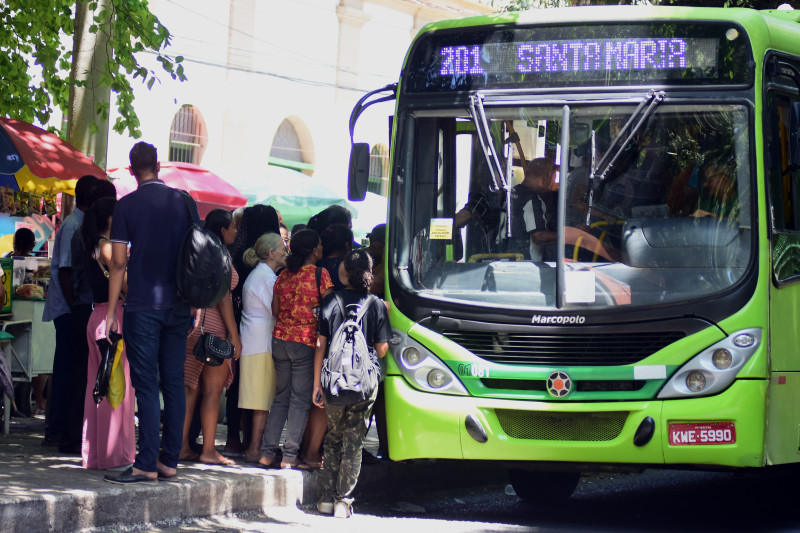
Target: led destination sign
579, 56
561, 56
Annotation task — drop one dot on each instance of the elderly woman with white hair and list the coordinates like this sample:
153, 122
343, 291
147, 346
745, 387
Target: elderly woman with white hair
257, 371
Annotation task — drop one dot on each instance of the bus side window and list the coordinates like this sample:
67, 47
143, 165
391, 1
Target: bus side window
784, 187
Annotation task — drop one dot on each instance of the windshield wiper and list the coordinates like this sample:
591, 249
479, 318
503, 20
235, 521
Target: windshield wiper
500, 176
600, 172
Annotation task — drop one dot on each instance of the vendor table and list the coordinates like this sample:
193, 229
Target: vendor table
30, 352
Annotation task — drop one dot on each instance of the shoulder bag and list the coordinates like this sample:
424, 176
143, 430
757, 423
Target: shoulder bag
210, 349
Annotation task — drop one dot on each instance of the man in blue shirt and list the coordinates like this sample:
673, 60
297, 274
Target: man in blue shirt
154, 221
57, 309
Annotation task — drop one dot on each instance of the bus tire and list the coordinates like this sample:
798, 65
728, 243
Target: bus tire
543, 487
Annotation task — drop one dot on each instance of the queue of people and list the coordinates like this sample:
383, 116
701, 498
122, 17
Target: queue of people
118, 259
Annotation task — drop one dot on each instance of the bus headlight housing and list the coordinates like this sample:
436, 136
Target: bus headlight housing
715, 368
422, 369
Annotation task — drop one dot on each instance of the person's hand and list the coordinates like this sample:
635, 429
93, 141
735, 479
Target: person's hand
111, 325
316, 395
702, 213
237, 346
196, 315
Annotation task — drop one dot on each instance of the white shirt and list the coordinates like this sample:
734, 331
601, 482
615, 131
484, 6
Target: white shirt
257, 323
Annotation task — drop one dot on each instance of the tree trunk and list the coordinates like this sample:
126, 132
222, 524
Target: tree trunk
89, 58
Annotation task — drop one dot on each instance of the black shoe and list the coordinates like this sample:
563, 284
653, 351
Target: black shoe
69, 449
129, 478
50, 441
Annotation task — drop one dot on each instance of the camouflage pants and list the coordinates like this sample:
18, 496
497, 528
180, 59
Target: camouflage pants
347, 428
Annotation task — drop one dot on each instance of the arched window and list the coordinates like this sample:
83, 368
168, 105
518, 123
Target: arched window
187, 136
290, 147
379, 170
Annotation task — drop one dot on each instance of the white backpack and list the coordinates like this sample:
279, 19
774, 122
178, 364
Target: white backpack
350, 371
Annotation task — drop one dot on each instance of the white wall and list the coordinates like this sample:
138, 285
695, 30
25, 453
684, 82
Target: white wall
292, 49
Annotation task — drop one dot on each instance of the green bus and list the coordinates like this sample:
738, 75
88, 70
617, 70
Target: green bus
593, 245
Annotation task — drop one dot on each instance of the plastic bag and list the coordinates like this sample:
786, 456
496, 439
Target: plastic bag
116, 388
109, 355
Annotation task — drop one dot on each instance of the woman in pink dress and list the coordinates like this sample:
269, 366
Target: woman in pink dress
109, 439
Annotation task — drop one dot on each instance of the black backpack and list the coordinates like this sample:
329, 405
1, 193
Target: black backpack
351, 370
204, 265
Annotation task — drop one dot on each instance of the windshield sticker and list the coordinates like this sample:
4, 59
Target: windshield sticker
442, 228
580, 287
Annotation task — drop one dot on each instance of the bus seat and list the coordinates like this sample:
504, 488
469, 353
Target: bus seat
684, 242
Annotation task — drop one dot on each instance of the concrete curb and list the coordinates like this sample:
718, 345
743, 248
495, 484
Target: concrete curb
42, 491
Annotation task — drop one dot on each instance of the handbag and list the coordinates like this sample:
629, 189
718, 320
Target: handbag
210, 349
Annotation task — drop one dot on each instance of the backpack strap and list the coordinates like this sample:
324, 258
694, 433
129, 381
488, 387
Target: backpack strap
318, 276
341, 305
361, 312
365, 306
188, 200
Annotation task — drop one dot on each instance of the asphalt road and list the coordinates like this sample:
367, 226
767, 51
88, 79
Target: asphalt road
657, 501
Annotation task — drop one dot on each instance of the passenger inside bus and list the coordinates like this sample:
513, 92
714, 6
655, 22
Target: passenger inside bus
717, 196
533, 212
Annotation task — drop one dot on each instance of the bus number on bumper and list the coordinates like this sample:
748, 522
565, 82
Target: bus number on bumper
699, 434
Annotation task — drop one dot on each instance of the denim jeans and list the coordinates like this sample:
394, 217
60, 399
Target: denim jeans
294, 377
156, 346
63, 359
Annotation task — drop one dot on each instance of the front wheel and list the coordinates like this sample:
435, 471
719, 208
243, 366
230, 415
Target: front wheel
543, 487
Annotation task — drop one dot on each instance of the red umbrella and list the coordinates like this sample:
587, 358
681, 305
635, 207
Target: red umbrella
35, 160
208, 190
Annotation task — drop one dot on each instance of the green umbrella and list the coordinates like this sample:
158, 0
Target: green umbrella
294, 194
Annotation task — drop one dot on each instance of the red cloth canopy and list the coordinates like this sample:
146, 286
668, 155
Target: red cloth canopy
208, 189
42, 161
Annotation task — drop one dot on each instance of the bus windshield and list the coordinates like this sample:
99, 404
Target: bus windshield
669, 222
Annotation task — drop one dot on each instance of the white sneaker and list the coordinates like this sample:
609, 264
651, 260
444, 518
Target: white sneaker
341, 510
325, 507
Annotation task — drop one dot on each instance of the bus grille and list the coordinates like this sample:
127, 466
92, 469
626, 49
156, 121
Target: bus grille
601, 349
539, 425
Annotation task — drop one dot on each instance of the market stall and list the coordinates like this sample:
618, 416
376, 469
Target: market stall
36, 169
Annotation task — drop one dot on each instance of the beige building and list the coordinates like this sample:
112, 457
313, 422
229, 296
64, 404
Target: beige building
273, 82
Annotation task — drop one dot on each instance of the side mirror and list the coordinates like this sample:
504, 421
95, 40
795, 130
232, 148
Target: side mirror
358, 173
794, 136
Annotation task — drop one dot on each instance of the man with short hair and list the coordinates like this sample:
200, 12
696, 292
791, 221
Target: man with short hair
57, 308
154, 219
532, 214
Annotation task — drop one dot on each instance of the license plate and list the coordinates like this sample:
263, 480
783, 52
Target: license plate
701, 434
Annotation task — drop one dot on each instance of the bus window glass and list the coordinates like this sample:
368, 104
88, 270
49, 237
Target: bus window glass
671, 221
784, 189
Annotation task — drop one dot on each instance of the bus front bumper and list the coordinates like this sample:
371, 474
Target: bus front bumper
425, 425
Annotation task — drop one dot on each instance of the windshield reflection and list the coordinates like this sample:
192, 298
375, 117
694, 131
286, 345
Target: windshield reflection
669, 221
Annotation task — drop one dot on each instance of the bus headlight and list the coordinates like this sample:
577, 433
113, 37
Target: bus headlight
715, 368
722, 359
695, 381
411, 356
422, 369
437, 379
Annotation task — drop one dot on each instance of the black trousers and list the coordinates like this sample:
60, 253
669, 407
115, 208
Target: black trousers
72, 430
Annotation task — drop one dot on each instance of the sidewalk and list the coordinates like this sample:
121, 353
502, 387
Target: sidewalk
44, 491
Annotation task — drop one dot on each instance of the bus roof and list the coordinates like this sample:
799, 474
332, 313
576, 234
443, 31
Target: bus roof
771, 29
584, 14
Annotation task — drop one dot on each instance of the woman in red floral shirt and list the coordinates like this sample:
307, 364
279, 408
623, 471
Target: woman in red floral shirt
296, 297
